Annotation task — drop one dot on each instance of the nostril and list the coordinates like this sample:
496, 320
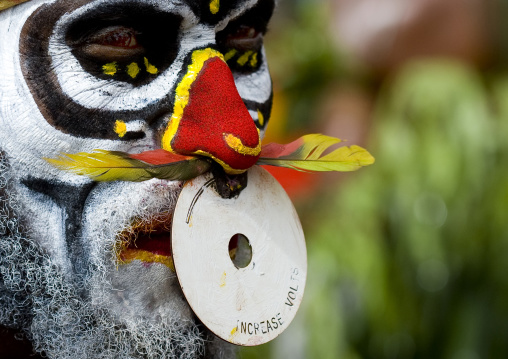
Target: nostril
228, 186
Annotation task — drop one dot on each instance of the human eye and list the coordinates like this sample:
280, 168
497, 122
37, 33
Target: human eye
242, 39
113, 43
129, 47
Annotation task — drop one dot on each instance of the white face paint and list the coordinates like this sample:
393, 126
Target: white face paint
55, 97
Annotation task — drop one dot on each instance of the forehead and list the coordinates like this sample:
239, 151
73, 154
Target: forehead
207, 11
216, 10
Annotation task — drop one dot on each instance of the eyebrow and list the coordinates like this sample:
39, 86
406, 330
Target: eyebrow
5, 4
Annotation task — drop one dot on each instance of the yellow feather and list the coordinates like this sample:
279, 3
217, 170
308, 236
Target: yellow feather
307, 157
304, 154
315, 144
104, 165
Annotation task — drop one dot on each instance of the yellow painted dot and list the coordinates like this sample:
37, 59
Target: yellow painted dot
242, 60
223, 280
230, 54
214, 6
151, 69
254, 60
234, 331
110, 68
133, 70
261, 118
120, 128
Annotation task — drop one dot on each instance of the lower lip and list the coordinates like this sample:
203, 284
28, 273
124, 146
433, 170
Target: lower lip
156, 242
149, 247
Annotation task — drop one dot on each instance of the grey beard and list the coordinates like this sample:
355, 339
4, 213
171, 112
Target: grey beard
61, 321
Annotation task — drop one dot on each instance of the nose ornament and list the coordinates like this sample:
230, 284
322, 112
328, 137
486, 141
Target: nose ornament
209, 117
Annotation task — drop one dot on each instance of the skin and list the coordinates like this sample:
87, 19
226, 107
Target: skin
58, 95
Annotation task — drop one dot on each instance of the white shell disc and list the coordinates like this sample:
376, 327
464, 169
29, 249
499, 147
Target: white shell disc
244, 306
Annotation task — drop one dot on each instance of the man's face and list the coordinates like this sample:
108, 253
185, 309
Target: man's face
85, 267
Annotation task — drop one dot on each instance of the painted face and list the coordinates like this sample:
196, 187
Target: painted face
85, 267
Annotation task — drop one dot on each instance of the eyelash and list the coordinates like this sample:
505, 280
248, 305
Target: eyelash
117, 37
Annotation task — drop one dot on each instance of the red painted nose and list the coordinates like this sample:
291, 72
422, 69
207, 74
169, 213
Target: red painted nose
210, 118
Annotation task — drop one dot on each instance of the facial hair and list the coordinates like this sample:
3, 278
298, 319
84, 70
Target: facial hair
63, 321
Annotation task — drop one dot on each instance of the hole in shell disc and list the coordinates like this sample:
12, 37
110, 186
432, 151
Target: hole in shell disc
240, 250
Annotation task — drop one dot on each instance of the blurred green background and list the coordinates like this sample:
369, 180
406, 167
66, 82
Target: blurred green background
408, 257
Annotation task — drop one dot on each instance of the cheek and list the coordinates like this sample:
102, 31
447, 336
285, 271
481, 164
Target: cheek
111, 208
25, 135
133, 298
256, 86
256, 92
42, 219
28, 140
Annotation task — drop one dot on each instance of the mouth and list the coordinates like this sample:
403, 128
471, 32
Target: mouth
148, 237
148, 241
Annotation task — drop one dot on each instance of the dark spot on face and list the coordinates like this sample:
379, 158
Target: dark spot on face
228, 186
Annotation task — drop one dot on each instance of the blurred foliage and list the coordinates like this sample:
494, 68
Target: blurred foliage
301, 58
407, 260
414, 248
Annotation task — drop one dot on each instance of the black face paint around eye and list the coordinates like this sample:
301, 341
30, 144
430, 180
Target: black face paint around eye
127, 43
113, 48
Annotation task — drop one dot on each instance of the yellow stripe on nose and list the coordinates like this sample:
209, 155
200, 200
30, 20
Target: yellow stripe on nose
5, 4
210, 118
236, 144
